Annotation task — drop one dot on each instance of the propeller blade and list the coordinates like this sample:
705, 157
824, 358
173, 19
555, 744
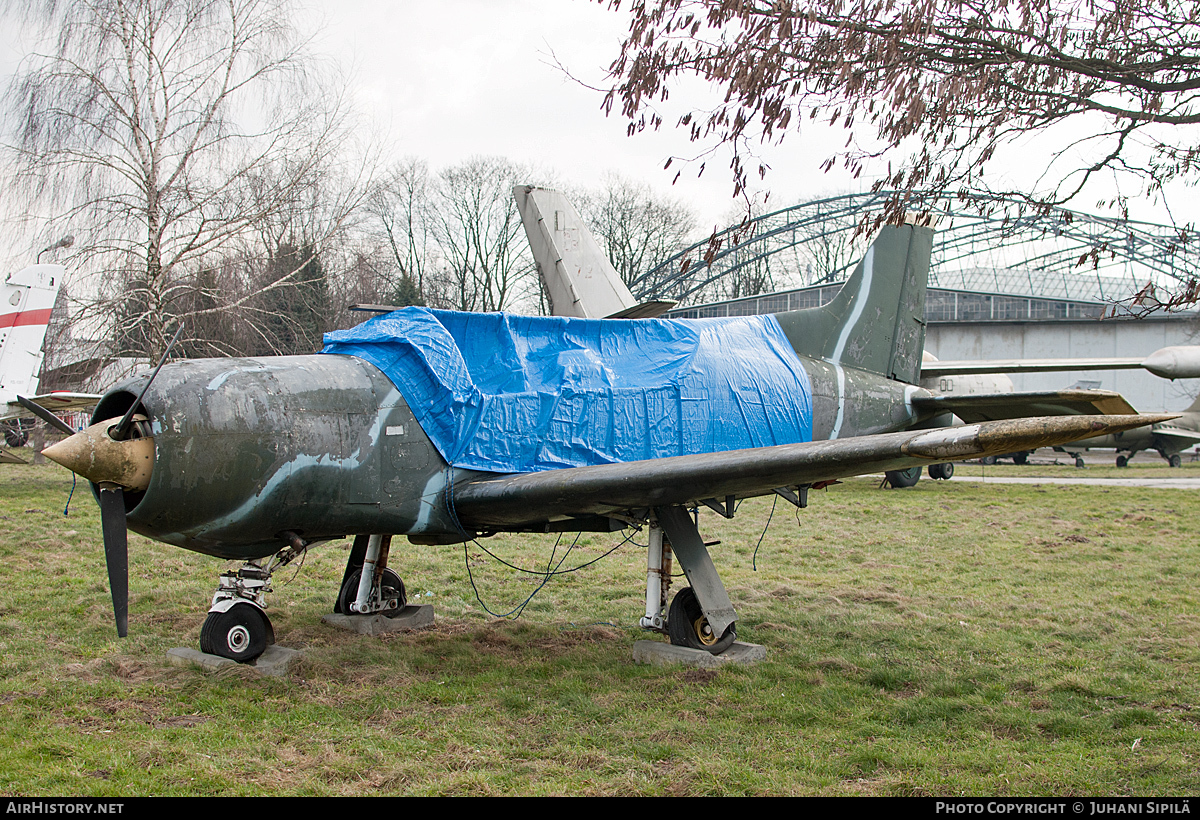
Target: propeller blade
121, 431
46, 416
116, 551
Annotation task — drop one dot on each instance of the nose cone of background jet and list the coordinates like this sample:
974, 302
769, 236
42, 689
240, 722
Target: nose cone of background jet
94, 455
1179, 362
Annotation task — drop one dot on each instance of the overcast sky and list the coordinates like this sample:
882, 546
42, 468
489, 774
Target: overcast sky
450, 79
456, 78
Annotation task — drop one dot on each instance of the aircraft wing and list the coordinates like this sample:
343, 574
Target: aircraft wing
968, 367
1175, 362
483, 502
1186, 438
997, 406
59, 402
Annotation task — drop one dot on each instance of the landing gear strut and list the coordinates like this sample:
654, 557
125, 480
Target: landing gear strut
701, 616
368, 586
237, 626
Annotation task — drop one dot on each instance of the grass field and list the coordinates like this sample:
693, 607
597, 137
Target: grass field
951, 639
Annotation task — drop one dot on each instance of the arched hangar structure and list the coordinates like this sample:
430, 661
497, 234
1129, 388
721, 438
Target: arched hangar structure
1008, 281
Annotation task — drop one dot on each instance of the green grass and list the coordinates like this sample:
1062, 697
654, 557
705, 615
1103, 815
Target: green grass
950, 639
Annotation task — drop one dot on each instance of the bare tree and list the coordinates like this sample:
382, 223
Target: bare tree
942, 84
637, 228
401, 203
486, 255
168, 133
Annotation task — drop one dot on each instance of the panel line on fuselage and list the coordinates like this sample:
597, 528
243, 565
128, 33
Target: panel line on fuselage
860, 302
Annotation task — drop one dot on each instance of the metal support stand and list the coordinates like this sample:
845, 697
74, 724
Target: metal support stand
698, 566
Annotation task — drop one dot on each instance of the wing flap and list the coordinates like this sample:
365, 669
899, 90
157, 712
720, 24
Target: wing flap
999, 406
483, 503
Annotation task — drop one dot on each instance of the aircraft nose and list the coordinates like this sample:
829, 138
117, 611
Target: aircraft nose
96, 456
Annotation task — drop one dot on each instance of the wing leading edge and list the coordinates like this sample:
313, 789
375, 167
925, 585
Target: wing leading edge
526, 499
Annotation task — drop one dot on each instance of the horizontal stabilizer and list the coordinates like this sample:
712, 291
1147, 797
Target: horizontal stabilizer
997, 406
644, 310
54, 402
531, 498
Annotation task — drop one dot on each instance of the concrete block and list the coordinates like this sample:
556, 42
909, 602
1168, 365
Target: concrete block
660, 653
406, 620
275, 661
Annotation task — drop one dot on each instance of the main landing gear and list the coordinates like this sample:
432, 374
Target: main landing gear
701, 616
237, 626
368, 586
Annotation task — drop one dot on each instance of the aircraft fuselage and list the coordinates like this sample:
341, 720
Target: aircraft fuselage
325, 446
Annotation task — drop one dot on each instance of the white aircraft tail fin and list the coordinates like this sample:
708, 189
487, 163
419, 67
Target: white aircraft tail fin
26, 299
579, 279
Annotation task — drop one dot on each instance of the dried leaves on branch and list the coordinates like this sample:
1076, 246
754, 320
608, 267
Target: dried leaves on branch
934, 88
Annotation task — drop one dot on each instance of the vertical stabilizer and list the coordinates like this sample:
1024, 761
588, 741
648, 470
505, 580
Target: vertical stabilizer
26, 299
579, 279
877, 320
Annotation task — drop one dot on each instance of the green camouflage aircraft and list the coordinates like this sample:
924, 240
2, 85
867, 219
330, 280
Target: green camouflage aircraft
258, 459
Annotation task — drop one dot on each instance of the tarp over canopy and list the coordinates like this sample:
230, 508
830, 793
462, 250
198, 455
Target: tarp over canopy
505, 393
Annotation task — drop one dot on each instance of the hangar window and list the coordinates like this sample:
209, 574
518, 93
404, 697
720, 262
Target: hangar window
974, 306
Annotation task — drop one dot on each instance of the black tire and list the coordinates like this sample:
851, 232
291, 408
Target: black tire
1020, 458
15, 438
1175, 460
241, 633
941, 472
687, 626
391, 583
989, 460
1122, 461
903, 478
1080, 463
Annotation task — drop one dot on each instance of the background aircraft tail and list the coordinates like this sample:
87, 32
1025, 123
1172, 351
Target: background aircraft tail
877, 320
579, 279
26, 299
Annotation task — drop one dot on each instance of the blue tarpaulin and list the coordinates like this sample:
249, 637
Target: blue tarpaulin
507, 393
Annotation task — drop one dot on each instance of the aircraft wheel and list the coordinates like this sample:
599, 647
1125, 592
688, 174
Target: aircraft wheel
687, 626
390, 587
1122, 461
1175, 460
240, 633
988, 460
1079, 462
1020, 458
941, 471
903, 478
15, 438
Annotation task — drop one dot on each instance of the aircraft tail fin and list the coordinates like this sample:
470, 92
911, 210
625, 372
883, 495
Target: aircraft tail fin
877, 320
26, 299
579, 279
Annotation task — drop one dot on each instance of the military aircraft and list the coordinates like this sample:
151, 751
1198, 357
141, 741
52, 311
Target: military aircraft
1167, 438
446, 427
26, 300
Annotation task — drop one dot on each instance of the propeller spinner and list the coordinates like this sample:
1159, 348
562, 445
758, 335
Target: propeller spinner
114, 466
116, 455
